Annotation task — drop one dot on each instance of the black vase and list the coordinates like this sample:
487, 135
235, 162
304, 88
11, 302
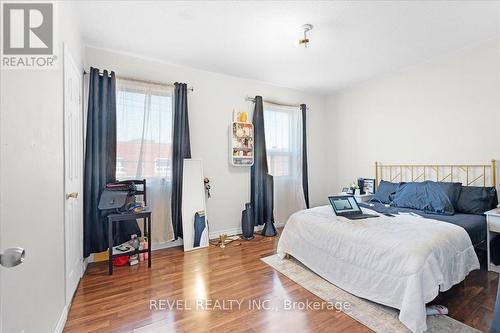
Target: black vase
247, 222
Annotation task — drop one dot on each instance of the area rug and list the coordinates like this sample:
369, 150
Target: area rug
378, 318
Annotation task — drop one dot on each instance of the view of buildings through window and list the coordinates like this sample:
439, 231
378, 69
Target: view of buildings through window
144, 132
144, 135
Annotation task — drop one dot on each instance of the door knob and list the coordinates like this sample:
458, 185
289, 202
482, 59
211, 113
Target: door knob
12, 257
72, 195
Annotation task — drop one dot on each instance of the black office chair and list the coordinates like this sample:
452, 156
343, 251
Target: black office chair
141, 187
123, 231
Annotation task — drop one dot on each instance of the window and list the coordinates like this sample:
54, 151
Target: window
283, 131
144, 125
144, 130
278, 131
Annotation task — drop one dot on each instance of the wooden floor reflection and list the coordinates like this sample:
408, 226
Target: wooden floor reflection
121, 303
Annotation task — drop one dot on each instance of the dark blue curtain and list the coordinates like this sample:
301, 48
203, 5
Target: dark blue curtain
495, 325
305, 180
261, 194
100, 157
181, 150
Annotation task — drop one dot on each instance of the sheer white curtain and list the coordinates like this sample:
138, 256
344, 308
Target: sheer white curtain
144, 146
283, 130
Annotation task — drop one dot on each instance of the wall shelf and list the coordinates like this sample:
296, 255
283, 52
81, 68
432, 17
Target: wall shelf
241, 144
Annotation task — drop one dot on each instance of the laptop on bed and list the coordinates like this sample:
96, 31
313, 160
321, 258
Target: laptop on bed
346, 206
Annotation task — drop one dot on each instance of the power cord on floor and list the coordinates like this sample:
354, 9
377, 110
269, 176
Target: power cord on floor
225, 240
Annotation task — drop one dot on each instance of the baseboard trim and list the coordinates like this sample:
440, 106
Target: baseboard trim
62, 320
85, 264
237, 231
211, 235
166, 245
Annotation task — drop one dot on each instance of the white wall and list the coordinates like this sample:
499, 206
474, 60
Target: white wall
31, 191
210, 113
444, 111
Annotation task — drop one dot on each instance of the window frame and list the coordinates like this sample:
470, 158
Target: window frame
148, 90
270, 152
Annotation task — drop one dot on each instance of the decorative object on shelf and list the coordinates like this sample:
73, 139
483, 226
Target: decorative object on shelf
241, 144
133, 259
134, 241
240, 117
352, 188
206, 181
345, 190
247, 222
141, 247
243, 117
368, 185
361, 185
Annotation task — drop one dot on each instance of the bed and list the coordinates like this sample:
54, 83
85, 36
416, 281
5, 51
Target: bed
402, 261
474, 224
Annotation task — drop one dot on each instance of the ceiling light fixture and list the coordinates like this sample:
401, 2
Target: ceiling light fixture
304, 41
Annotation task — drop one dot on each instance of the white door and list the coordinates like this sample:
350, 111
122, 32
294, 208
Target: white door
9, 258
1, 299
73, 171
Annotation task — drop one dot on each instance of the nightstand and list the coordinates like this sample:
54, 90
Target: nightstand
360, 198
493, 224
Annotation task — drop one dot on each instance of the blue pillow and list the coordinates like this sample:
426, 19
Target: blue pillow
452, 190
385, 192
426, 196
476, 199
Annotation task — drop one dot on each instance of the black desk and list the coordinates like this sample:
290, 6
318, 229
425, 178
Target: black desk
146, 216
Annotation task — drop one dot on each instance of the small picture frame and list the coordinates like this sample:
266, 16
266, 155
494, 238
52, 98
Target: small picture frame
369, 185
345, 190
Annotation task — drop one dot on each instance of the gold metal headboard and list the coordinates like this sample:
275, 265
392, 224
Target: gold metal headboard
467, 174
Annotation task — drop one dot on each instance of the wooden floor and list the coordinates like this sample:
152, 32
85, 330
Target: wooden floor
121, 303
473, 301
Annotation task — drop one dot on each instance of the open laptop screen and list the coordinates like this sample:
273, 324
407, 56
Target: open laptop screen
344, 204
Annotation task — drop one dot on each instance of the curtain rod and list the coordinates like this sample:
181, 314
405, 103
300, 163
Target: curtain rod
143, 81
268, 101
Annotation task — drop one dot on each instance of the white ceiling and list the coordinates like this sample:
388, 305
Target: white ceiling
350, 42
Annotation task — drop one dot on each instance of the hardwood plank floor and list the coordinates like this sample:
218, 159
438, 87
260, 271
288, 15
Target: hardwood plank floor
473, 301
121, 303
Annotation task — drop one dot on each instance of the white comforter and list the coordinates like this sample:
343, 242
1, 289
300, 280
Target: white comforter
402, 262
